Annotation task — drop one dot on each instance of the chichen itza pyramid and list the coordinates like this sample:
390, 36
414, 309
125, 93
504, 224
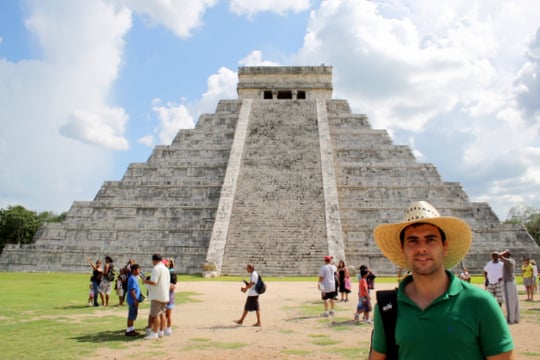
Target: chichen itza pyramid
279, 177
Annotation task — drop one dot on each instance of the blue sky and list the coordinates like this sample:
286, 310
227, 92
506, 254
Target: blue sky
88, 87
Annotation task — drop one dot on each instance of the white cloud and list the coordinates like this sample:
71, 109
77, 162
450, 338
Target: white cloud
281, 7
255, 58
180, 16
147, 140
104, 129
81, 48
221, 85
415, 65
172, 118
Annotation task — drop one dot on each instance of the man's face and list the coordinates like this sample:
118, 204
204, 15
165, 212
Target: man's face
424, 249
136, 272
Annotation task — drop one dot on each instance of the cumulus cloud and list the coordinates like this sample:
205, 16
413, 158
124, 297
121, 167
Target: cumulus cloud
103, 129
67, 88
172, 117
423, 68
180, 16
528, 81
255, 58
250, 7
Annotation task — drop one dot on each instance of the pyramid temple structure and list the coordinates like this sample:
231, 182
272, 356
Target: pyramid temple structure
279, 177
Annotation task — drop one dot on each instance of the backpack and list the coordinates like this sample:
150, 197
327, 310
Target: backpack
260, 286
110, 275
388, 309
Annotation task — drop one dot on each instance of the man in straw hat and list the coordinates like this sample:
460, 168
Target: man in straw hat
438, 315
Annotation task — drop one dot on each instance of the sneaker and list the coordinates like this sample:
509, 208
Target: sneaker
132, 333
168, 332
368, 322
332, 313
160, 333
324, 314
147, 331
152, 336
356, 317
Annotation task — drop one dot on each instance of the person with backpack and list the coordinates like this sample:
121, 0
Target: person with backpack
438, 316
252, 300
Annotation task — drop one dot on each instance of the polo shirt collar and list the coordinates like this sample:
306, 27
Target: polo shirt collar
455, 287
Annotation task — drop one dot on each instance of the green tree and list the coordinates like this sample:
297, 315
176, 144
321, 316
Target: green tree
529, 216
19, 225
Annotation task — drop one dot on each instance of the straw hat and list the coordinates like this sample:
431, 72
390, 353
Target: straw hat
458, 234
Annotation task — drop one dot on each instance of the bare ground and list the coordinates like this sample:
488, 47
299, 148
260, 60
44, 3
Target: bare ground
291, 327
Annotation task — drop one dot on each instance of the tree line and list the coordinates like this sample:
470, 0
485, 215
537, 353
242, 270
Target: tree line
18, 225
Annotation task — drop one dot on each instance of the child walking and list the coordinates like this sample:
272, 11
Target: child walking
364, 299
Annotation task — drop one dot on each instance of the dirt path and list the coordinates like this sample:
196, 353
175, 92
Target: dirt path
292, 327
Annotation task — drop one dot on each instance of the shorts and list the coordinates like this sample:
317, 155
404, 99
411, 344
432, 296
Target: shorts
329, 295
496, 291
528, 281
364, 305
157, 308
252, 303
105, 287
133, 311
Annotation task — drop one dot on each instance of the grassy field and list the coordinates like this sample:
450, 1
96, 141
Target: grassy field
45, 315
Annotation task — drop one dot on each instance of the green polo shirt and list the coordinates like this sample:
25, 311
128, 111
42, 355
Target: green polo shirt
464, 323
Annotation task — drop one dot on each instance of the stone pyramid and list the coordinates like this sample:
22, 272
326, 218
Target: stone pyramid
280, 177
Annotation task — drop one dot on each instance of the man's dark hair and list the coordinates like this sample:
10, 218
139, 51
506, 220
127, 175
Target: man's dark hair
134, 267
156, 257
402, 233
108, 259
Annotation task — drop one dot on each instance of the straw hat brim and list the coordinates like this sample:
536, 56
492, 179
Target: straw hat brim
458, 237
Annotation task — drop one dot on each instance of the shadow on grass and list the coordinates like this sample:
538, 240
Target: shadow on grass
343, 323
71, 307
107, 336
306, 317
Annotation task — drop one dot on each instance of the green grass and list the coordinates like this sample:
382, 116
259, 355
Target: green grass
45, 316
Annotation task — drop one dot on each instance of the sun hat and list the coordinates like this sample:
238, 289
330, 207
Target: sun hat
458, 234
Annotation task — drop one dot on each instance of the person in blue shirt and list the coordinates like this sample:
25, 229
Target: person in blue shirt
133, 295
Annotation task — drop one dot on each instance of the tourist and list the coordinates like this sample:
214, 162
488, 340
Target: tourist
509, 287
170, 304
252, 300
370, 277
493, 273
465, 275
438, 315
120, 280
327, 285
97, 275
344, 279
535, 276
527, 272
364, 299
106, 279
90, 293
158, 293
133, 297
